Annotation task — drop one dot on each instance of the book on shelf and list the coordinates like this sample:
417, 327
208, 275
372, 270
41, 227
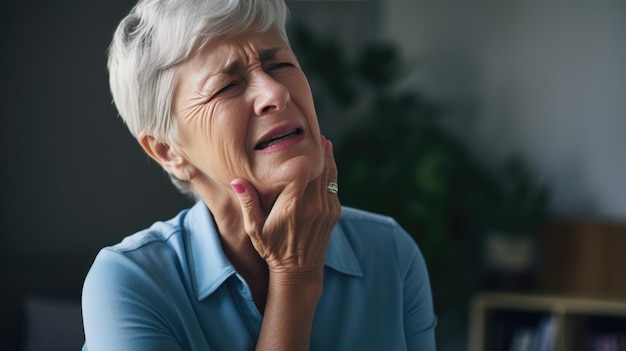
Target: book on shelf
607, 342
522, 339
541, 338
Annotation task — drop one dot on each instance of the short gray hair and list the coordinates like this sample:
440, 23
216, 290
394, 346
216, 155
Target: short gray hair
156, 36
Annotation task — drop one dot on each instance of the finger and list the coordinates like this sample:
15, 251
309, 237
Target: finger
329, 175
330, 161
333, 203
253, 214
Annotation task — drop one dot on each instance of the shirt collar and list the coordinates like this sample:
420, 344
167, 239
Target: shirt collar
209, 266
340, 256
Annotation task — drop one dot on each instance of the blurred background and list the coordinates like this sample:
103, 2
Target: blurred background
493, 132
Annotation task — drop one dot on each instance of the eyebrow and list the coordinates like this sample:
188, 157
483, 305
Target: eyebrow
236, 66
231, 69
269, 54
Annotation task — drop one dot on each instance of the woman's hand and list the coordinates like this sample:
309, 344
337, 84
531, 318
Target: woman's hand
293, 237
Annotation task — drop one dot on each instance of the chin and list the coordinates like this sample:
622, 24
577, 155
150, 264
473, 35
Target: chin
308, 167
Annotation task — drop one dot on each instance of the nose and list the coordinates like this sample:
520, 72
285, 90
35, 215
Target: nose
271, 96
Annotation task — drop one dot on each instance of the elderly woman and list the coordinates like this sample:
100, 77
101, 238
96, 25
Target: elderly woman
266, 259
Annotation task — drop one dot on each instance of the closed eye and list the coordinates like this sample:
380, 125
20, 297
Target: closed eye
279, 65
231, 85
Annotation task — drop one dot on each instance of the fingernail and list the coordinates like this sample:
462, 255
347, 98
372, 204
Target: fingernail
238, 188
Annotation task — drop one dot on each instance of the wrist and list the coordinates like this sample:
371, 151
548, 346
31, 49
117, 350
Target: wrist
292, 297
300, 283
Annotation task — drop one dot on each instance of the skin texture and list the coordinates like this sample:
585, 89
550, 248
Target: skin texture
271, 205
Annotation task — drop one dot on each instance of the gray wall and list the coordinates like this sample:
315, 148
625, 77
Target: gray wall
543, 79
73, 178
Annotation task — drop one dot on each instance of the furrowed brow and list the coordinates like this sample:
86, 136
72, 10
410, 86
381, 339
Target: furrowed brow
236, 66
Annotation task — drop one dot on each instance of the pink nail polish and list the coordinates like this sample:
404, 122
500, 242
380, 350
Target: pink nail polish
238, 188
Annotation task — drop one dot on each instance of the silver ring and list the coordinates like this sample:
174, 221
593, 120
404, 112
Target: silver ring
332, 188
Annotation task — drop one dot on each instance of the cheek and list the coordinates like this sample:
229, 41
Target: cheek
231, 159
228, 131
301, 93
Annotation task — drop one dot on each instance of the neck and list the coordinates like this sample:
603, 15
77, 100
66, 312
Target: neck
248, 263
237, 245
250, 266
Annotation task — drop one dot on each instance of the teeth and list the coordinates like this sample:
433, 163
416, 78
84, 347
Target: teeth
274, 140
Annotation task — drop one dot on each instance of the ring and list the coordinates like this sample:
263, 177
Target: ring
332, 188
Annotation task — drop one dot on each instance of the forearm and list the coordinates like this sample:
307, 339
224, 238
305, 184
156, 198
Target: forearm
289, 312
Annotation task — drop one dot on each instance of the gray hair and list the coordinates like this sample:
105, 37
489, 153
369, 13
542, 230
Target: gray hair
155, 37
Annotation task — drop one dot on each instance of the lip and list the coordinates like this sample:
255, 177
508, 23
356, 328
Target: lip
277, 132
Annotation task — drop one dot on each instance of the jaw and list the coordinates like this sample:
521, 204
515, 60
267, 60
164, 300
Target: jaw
273, 177
268, 172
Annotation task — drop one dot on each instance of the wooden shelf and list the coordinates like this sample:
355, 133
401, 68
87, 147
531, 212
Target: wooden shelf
490, 311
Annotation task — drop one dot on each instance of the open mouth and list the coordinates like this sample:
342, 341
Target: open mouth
277, 139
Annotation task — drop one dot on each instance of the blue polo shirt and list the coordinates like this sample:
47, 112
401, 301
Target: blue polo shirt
171, 287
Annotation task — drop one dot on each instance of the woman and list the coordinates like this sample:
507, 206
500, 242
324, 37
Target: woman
266, 258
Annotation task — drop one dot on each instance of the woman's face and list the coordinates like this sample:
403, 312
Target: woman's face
244, 110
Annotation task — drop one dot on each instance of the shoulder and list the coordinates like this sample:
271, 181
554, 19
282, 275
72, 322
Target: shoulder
141, 257
142, 281
160, 232
364, 225
355, 216
378, 236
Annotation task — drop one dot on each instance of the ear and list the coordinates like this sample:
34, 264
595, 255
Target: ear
168, 156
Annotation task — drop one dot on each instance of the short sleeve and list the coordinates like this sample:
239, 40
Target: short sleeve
419, 315
118, 305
